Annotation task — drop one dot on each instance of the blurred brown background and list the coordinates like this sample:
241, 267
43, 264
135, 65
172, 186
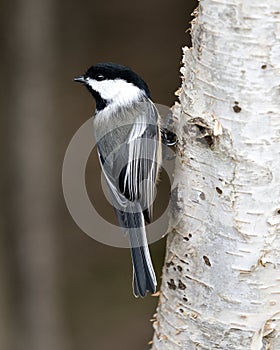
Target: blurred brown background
59, 288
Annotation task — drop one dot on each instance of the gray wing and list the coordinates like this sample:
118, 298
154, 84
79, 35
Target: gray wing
132, 171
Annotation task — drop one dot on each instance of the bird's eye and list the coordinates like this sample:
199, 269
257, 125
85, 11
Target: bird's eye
99, 77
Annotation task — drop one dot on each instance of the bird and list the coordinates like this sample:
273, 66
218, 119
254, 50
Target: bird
127, 129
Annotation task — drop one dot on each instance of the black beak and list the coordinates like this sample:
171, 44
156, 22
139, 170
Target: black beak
80, 79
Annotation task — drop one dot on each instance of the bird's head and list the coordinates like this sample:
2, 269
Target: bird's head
113, 84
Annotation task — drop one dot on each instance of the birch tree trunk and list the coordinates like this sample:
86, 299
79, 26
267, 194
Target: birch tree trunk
221, 279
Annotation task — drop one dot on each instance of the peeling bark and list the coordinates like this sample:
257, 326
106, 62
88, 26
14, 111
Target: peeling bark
221, 279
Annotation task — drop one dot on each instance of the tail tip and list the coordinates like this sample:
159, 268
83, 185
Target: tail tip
140, 291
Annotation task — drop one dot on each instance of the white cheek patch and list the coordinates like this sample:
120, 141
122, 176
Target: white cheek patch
116, 91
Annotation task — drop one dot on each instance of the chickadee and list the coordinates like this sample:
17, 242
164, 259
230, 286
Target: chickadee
127, 131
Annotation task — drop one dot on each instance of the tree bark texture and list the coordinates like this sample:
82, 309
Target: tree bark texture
221, 278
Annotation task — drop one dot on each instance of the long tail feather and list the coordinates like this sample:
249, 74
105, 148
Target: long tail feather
144, 279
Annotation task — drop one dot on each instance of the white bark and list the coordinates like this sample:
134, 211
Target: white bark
221, 279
